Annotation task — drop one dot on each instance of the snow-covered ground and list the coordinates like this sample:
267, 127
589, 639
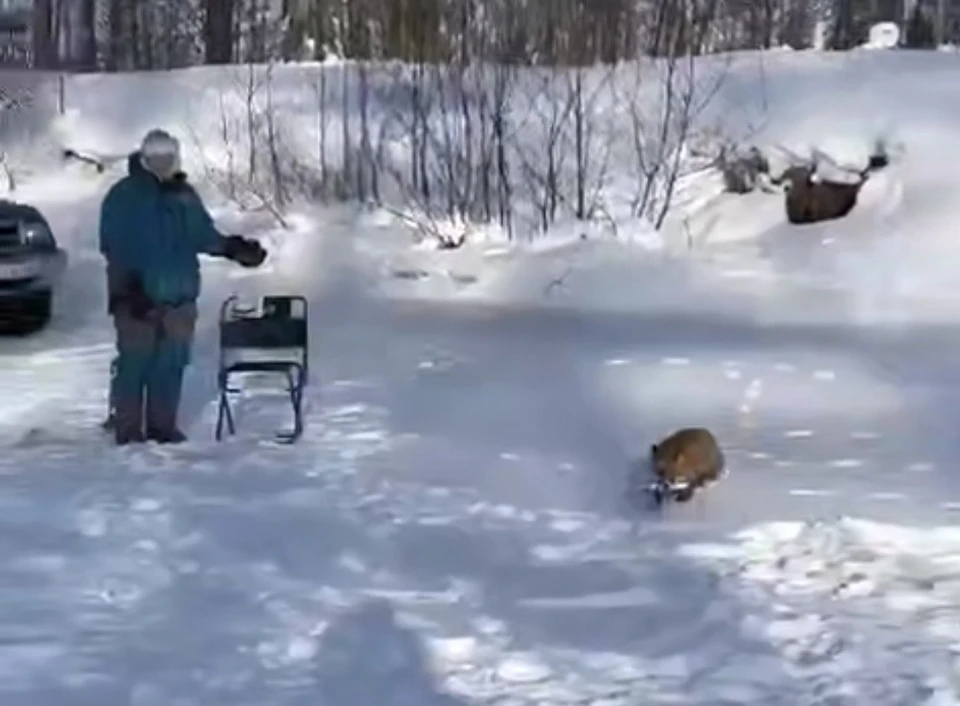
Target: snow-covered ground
453, 527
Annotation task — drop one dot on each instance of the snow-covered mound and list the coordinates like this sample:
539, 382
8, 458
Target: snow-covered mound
823, 585
895, 255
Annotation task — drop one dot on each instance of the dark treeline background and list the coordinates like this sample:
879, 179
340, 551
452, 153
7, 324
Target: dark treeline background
121, 35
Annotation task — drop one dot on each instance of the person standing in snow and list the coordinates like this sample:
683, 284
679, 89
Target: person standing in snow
153, 226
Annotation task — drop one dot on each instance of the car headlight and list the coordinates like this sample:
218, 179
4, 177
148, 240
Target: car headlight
37, 235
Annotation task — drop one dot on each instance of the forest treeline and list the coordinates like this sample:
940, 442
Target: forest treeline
117, 35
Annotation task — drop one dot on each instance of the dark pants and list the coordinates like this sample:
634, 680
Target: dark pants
152, 356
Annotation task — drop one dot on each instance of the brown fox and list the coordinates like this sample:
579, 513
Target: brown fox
687, 459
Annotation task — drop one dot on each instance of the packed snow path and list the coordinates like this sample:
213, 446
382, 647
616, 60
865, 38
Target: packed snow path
453, 530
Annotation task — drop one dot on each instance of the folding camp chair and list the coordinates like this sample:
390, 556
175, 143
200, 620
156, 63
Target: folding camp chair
271, 338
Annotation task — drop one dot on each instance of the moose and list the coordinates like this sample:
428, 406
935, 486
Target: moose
742, 171
812, 201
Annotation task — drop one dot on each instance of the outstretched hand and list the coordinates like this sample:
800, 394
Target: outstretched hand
134, 298
246, 252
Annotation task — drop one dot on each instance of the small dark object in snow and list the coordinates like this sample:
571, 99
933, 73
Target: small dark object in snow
878, 161
463, 279
661, 491
411, 274
86, 159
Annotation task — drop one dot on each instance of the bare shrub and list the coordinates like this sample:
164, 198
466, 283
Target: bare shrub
28, 103
258, 169
662, 99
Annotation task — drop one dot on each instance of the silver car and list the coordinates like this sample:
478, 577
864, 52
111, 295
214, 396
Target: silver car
31, 266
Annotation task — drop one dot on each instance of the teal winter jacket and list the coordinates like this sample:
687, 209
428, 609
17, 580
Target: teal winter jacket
156, 231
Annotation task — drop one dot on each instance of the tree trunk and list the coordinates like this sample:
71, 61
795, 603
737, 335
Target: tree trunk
87, 58
44, 48
114, 20
218, 31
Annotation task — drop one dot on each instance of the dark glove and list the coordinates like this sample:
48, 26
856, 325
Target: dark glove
134, 298
244, 251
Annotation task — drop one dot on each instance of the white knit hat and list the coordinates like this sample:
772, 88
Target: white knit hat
160, 154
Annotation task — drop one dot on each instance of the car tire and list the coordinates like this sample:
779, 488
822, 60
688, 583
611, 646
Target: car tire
42, 310
26, 314
37, 312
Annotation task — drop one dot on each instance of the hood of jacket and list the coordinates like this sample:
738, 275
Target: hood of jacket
135, 168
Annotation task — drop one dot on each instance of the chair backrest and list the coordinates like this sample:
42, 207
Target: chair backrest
277, 327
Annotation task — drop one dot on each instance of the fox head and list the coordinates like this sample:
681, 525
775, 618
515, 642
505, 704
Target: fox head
668, 466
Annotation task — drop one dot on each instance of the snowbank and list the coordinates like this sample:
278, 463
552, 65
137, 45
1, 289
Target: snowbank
823, 585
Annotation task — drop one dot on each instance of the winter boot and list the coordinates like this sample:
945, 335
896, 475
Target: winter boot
163, 400
166, 436
127, 437
128, 421
162, 424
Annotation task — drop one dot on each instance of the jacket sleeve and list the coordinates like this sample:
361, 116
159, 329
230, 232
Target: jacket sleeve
203, 233
112, 226
116, 237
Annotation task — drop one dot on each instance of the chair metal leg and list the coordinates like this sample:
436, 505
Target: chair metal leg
224, 411
295, 390
296, 383
296, 397
218, 429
